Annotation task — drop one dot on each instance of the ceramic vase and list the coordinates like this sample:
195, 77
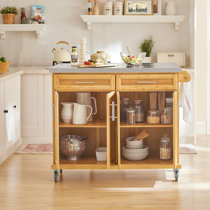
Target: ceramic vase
67, 112
171, 8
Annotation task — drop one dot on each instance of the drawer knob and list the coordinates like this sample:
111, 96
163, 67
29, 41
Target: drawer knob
6, 111
14, 106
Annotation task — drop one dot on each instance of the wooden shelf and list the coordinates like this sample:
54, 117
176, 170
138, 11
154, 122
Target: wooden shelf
92, 124
176, 20
148, 163
37, 28
144, 125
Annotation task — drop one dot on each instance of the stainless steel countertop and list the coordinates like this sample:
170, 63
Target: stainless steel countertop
156, 68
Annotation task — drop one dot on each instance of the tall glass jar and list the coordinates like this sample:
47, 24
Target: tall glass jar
167, 116
139, 109
124, 105
153, 117
131, 116
165, 148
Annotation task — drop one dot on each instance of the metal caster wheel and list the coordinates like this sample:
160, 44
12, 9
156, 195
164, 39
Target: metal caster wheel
55, 175
176, 174
61, 171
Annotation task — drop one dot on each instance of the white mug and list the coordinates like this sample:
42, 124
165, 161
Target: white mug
67, 112
80, 115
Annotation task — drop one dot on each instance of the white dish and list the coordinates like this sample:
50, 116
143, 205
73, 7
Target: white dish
143, 150
101, 154
135, 144
135, 156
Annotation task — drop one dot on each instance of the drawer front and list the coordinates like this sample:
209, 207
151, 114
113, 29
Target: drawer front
146, 82
81, 82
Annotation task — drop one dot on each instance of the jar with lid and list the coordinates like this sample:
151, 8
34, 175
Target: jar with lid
118, 8
165, 148
125, 103
131, 116
107, 9
139, 109
153, 117
167, 116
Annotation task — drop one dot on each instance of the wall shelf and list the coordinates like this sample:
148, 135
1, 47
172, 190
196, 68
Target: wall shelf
176, 20
37, 28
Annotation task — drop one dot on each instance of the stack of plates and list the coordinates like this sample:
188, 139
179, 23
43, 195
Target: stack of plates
134, 149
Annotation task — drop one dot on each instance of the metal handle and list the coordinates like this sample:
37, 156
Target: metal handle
84, 82
6, 111
113, 117
146, 82
14, 106
171, 55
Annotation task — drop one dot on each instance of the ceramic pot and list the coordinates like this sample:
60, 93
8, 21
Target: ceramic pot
86, 99
147, 60
4, 67
171, 8
8, 18
67, 112
80, 116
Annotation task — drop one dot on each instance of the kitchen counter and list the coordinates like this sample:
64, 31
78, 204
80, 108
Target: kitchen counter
157, 68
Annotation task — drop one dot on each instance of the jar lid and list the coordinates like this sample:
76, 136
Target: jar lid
137, 101
125, 99
153, 111
165, 138
130, 110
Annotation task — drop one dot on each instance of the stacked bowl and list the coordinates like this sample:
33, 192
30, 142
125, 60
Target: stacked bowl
135, 149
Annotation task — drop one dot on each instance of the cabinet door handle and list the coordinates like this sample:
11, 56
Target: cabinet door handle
14, 106
171, 55
146, 82
6, 111
91, 82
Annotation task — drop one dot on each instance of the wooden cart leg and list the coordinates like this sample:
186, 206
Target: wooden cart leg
176, 174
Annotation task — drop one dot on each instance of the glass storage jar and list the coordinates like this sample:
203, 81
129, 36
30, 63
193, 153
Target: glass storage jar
131, 116
153, 117
139, 109
167, 116
165, 148
125, 103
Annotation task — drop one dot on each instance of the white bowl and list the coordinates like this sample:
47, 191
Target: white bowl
135, 144
101, 154
135, 156
133, 151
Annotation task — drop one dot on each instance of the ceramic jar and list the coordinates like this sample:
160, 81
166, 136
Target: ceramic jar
118, 8
107, 9
171, 8
67, 112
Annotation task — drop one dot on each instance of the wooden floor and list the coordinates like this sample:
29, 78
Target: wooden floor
26, 182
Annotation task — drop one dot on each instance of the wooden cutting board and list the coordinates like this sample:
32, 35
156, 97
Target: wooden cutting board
95, 65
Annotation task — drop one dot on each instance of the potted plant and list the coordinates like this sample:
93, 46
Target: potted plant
4, 65
146, 46
8, 14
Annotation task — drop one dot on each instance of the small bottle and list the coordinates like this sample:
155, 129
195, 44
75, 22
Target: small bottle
74, 57
90, 7
95, 8
139, 108
107, 9
23, 15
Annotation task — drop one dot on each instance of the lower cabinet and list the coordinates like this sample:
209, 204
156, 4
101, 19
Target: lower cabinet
10, 134
36, 116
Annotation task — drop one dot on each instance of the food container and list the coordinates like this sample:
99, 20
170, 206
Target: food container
101, 154
133, 60
107, 9
135, 154
118, 8
153, 117
167, 116
133, 143
131, 116
125, 103
73, 146
165, 148
169, 102
139, 110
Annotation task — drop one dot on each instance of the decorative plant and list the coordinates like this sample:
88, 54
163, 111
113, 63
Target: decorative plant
3, 60
146, 46
9, 10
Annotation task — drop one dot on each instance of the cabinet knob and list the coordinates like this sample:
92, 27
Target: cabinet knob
14, 106
5, 111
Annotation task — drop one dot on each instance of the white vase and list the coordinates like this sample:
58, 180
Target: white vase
67, 112
171, 8
147, 60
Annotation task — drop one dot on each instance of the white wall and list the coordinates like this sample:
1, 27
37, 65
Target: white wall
64, 23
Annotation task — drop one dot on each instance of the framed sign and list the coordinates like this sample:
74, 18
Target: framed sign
138, 7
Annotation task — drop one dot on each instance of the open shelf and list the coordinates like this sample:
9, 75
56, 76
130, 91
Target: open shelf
37, 28
148, 163
176, 20
144, 125
92, 124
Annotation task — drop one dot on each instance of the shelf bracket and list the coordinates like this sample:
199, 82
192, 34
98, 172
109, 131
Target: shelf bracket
177, 26
2, 35
39, 34
89, 25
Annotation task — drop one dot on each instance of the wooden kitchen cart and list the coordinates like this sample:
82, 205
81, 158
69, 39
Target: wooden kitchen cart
106, 128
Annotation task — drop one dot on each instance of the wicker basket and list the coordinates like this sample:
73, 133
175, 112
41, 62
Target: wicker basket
4, 67
8, 18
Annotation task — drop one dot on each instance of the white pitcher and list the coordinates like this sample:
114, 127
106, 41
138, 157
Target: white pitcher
80, 116
86, 99
171, 8
67, 112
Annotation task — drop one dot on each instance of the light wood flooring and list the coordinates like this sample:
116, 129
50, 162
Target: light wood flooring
26, 182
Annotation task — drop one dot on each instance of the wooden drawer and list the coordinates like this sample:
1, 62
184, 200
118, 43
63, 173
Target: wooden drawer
146, 82
84, 82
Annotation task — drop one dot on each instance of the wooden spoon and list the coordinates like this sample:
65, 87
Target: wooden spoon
144, 134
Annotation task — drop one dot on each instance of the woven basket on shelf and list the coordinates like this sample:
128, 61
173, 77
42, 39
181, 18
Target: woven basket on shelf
8, 18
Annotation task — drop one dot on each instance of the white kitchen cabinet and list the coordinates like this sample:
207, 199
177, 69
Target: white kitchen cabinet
10, 134
36, 118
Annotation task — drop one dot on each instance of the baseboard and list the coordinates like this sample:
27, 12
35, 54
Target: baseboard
201, 127
37, 140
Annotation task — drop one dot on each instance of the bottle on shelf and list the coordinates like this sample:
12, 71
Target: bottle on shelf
96, 8
90, 7
74, 57
23, 16
124, 105
107, 7
139, 109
